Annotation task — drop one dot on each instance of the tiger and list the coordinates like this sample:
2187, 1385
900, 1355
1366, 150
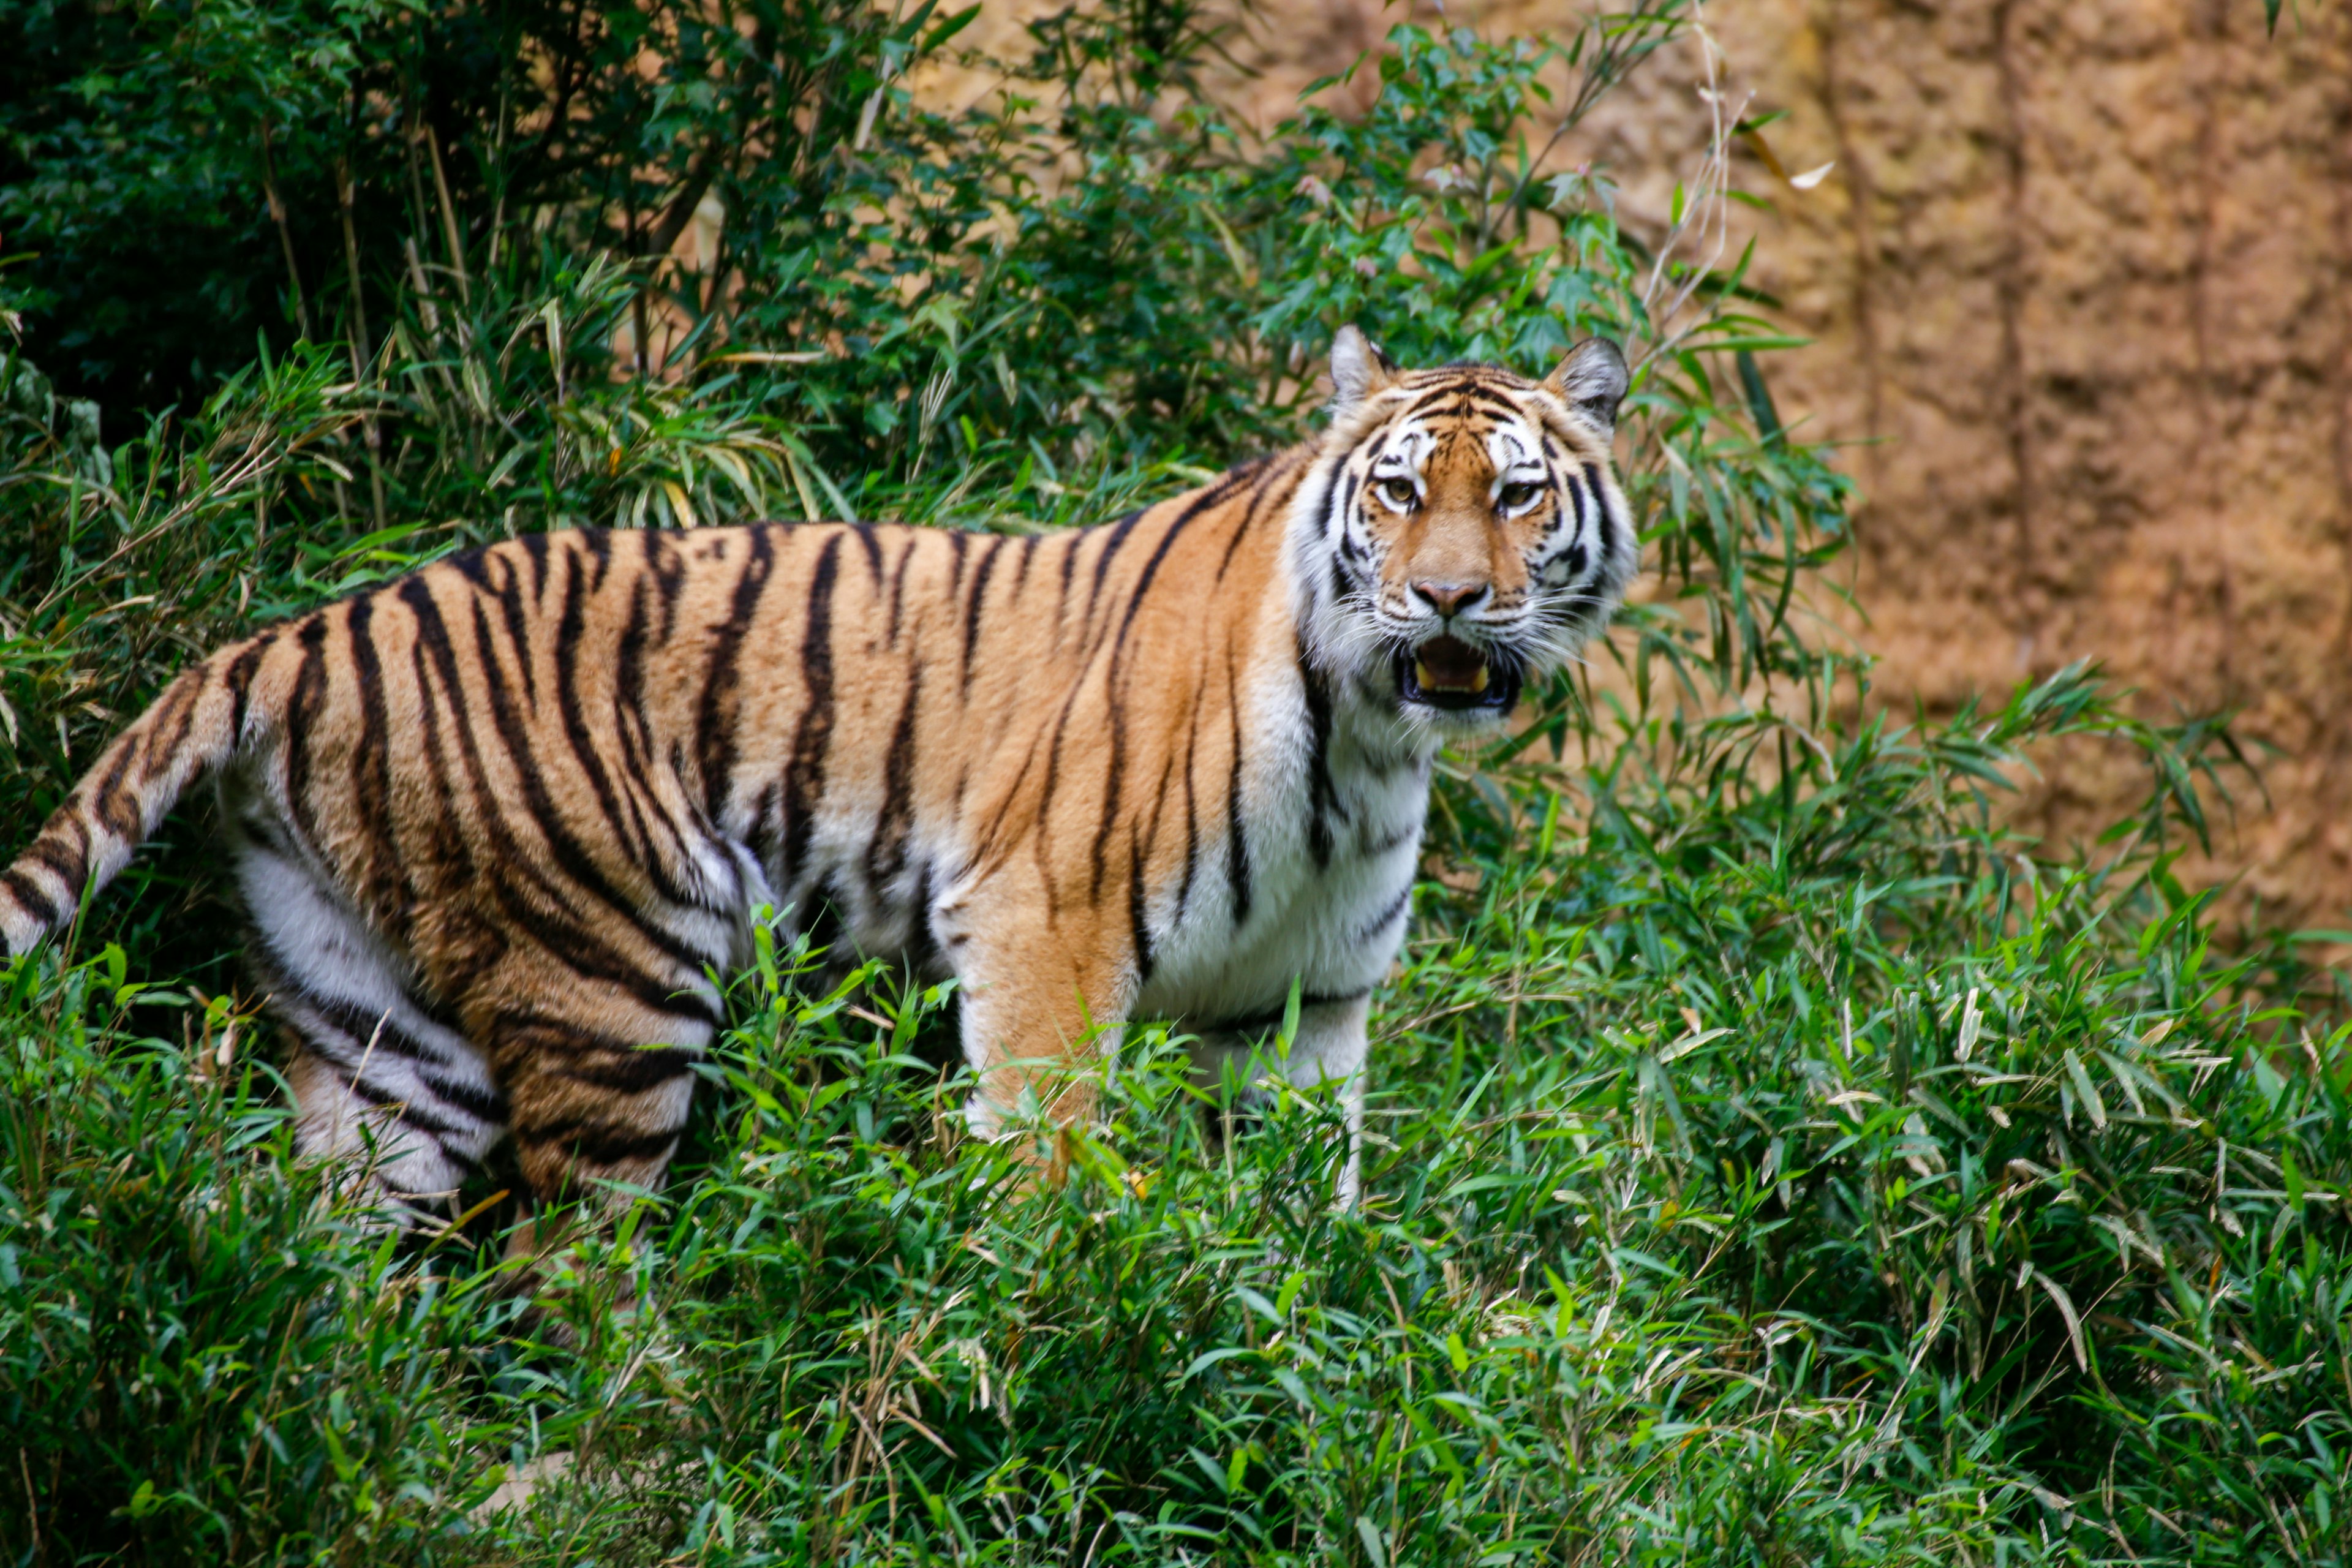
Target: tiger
502, 828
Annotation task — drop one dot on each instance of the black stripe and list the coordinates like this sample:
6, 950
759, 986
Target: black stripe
979, 601
512, 611
1053, 755
104, 798
30, 897
534, 546
72, 866
124, 811
1237, 867
402, 1110
1138, 924
301, 719
383, 881
178, 711
1113, 537
1424, 405
714, 729
813, 739
767, 816
377, 1032
1191, 816
1486, 399
1608, 521
923, 938
984, 842
571, 627
864, 532
1114, 779
959, 542
668, 563
1348, 549
598, 543
630, 1071
592, 1140
1177, 525
239, 678
629, 723
886, 855
1322, 797
1262, 472
1395, 907
449, 848
899, 584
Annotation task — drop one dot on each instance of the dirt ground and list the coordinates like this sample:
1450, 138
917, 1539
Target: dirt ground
2078, 288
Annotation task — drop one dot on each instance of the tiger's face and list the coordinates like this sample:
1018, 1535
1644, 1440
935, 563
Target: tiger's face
1472, 534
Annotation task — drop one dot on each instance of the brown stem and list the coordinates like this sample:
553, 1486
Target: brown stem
637, 317
33, 1515
448, 213
414, 138
285, 234
499, 163
699, 171
361, 353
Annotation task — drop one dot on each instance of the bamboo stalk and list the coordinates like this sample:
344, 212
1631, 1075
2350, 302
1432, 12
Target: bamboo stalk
285, 234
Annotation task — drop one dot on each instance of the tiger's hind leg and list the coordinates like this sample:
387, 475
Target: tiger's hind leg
601, 1086
377, 1076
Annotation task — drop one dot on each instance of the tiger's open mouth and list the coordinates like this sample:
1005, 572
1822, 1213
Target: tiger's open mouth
1447, 673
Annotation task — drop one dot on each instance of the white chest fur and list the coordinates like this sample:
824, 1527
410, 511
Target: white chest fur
1333, 807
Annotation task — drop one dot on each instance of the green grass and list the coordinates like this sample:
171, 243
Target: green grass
1772, 1159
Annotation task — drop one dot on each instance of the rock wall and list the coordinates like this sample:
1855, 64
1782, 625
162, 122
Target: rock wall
2079, 287
2081, 273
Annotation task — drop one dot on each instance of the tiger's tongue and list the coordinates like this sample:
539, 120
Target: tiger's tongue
1443, 664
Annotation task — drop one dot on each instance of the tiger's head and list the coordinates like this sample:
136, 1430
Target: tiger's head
1463, 530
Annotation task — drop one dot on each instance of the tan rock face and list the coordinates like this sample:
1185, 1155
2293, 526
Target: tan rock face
2081, 284
2083, 278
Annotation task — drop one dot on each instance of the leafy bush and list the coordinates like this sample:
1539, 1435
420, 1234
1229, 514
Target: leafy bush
1774, 1160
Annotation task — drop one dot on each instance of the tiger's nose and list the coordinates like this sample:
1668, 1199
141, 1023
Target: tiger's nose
1448, 598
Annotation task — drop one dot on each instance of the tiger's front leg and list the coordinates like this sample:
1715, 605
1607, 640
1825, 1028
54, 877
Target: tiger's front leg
1328, 1052
1044, 995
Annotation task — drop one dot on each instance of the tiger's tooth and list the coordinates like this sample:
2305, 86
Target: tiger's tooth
1478, 681
1420, 673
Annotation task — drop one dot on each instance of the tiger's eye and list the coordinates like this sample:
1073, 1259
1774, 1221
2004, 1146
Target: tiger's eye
1399, 493
1514, 497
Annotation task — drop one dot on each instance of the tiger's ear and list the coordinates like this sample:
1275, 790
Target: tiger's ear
1591, 380
1358, 369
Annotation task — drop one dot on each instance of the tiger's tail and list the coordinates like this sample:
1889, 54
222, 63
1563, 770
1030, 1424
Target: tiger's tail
202, 720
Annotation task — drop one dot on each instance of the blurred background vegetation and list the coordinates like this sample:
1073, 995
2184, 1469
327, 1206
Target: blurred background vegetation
1776, 1159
